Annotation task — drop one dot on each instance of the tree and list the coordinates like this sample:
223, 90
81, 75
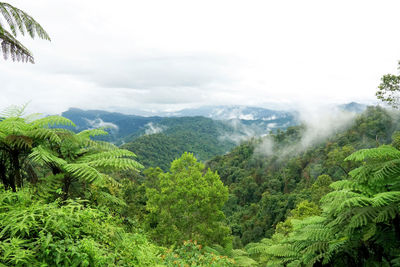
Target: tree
18, 22
78, 162
359, 225
19, 134
388, 90
67, 161
186, 204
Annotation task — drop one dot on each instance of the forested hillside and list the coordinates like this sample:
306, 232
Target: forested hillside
157, 141
201, 136
240, 120
272, 201
268, 177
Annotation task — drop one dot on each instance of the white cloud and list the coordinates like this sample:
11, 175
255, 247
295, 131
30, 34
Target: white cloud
159, 54
320, 124
151, 128
99, 123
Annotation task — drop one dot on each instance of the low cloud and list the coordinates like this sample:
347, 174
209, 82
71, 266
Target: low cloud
153, 128
241, 132
319, 125
99, 123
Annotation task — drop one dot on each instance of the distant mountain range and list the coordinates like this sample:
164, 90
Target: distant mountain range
241, 119
123, 127
206, 131
233, 112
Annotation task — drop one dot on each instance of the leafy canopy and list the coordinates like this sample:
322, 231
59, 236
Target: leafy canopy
186, 204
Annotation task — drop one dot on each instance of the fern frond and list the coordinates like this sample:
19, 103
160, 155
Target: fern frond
98, 146
44, 134
112, 154
19, 20
51, 121
83, 171
385, 152
386, 213
386, 199
13, 125
11, 46
357, 201
91, 133
14, 111
282, 250
389, 170
42, 155
352, 186
116, 164
19, 141
362, 217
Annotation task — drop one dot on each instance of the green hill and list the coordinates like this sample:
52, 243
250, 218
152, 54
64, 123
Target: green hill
264, 188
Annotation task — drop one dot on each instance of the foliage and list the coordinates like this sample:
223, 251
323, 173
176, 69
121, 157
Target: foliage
359, 224
193, 254
186, 204
18, 22
79, 162
35, 233
197, 135
54, 159
388, 90
19, 135
265, 187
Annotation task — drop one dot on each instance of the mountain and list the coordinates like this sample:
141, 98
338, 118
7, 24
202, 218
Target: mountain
249, 121
353, 107
119, 125
267, 177
159, 140
233, 112
203, 137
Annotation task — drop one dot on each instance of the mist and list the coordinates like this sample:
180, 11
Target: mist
153, 129
99, 123
319, 123
241, 132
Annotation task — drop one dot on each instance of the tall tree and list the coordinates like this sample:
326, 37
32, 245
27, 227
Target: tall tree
19, 135
18, 22
187, 204
388, 90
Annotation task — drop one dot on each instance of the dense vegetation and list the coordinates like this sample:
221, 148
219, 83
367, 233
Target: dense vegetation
157, 141
62, 201
198, 135
69, 200
265, 188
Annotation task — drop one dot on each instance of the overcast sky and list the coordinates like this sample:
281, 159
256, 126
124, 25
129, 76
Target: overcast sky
167, 54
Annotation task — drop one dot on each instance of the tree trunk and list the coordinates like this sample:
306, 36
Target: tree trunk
67, 183
3, 175
33, 178
15, 178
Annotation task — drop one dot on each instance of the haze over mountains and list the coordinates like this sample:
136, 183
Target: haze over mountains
206, 131
122, 125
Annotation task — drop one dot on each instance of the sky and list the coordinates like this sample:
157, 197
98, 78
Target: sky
167, 55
